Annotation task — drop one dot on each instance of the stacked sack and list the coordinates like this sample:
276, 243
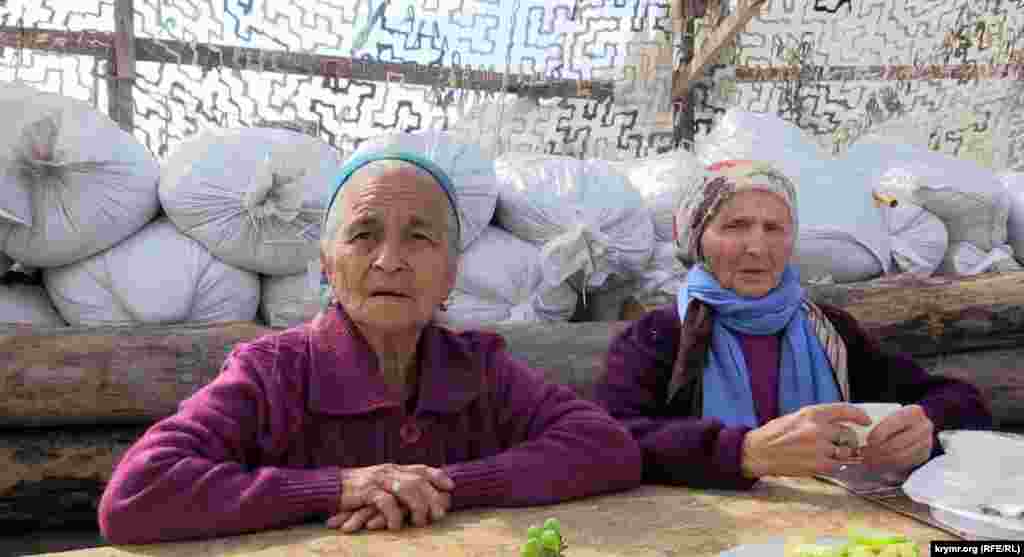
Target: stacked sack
971, 201
254, 198
843, 235
590, 223
1014, 184
75, 184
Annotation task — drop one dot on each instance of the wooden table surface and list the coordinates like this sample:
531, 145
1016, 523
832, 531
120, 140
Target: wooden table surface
651, 521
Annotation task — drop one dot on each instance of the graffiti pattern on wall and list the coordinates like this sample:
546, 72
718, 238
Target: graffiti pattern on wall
296, 63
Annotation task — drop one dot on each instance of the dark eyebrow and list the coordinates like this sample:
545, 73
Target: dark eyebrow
363, 222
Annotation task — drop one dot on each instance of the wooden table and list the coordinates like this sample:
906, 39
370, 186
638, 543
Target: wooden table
651, 521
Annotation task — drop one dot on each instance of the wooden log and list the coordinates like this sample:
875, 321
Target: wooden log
117, 375
935, 315
109, 375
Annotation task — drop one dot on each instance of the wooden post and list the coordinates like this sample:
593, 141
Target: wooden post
725, 31
682, 108
121, 108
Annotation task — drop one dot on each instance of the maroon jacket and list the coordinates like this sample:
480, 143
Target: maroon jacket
683, 448
261, 445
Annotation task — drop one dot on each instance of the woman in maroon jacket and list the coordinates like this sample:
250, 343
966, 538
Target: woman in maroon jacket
370, 416
744, 377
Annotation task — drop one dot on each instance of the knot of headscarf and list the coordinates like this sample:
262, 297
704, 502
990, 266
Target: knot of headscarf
806, 375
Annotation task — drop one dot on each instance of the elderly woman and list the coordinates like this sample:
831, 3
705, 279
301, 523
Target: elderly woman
745, 377
370, 416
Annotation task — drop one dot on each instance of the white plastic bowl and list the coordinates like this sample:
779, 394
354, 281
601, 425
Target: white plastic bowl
985, 453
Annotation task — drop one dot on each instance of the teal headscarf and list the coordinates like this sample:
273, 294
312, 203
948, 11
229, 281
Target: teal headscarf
360, 160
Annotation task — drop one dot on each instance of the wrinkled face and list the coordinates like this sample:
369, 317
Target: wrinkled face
747, 244
389, 263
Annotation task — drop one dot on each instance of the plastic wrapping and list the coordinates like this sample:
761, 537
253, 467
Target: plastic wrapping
1014, 184
159, 275
657, 285
981, 473
471, 171
254, 197
970, 200
500, 280
28, 305
72, 183
919, 239
661, 181
834, 257
835, 208
966, 259
584, 215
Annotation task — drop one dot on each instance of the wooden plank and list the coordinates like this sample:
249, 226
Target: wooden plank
210, 55
724, 32
645, 522
121, 107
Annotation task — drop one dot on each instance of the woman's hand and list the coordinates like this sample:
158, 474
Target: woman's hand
806, 442
377, 496
901, 441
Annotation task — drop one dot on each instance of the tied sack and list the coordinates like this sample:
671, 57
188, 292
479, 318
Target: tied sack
969, 199
159, 275
1014, 184
254, 197
657, 285
661, 181
72, 183
584, 216
919, 239
843, 235
500, 279
25, 304
469, 168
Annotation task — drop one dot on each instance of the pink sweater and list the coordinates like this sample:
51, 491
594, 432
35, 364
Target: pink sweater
261, 446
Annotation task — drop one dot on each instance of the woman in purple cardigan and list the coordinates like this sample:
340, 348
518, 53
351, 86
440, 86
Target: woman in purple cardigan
370, 416
745, 377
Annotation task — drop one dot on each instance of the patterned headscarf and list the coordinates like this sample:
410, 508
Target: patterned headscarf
706, 196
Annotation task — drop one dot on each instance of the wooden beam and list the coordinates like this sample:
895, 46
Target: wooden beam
122, 79
289, 62
719, 37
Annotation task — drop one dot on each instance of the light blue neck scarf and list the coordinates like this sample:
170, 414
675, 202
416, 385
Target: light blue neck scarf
805, 374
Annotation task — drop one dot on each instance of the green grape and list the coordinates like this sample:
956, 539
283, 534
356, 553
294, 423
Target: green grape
533, 532
531, 548
551, 540
553, 525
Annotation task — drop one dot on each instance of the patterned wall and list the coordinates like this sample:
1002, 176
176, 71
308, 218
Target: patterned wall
847, 50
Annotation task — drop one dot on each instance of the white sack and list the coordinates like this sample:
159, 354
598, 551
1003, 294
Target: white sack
834, 205
72, 183
28, 305
919, 239
657, 285
253, 196
470, 169
1014, 184
159, 275
833, 257
971, 201
660, 181
289, 300
966, 259
583, 214
500, 280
